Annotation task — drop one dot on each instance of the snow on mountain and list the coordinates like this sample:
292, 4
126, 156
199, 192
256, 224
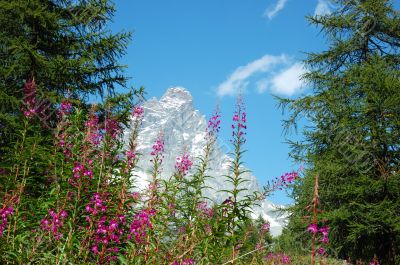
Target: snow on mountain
184, 129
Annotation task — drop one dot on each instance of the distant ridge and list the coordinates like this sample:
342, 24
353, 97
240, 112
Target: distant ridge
184, 128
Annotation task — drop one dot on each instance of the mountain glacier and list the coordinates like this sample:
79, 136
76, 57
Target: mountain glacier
184, 130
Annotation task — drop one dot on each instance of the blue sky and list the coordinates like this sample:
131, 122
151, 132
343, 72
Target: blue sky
215, 48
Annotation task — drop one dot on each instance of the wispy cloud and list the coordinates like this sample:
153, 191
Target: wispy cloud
322, 8
288, 82
271, 11
277, 74
239, 79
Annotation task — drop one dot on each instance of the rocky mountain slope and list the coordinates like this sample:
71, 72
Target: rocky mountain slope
184, 129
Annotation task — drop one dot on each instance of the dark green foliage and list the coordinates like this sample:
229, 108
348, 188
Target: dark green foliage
354, 140
65, 46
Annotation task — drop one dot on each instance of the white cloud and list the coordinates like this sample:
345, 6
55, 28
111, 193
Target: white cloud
322, 8
238, 80
262, 85
288, 81
271, 11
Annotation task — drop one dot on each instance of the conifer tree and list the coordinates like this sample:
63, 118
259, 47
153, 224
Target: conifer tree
353, 142
50, 50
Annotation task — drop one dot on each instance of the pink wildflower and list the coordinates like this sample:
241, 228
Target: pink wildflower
140, 223
65, 108
29, 100
265, 227
214, 124
112, 128
321, 251
158, 147
188, 262
4, 214
93, 134
239, 122
205, 211
54, 223
284, 180
137, 111
183, 164
313, 228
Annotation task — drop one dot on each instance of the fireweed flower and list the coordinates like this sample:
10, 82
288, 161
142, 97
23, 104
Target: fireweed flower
93, 133
5, 212
239, 122
135, 195
130, 155
188, 262
65, 108
374, 262
183, 164
130, 160
29, 100
214, 124
137, 112
54, 222
205, 211
96, 205
107, 233
158, 147
80, 172
265, 227
321, 251
312, 228
157, 150
284, 180
279, 258
324, 231
112, 128
140, 223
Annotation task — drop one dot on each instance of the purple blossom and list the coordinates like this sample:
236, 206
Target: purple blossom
112, 128
30, 100
5, 212
188, 262
205, 211
214, 124
131, 156
239, 122
279, 258
140, 223
54, 222
324, 231
374, 262
93, 134
137, 111
95, 249
135, 195
321, 251
284, 180
65, 108
312, 228
183, 164
265, 227
158, 147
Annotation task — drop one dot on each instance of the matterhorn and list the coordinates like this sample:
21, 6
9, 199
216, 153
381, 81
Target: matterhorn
184, 130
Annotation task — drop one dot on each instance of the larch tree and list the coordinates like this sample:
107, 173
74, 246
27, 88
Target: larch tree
353, 141
50, 50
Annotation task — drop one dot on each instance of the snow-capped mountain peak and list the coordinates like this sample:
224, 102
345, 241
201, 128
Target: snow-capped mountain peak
184, 130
